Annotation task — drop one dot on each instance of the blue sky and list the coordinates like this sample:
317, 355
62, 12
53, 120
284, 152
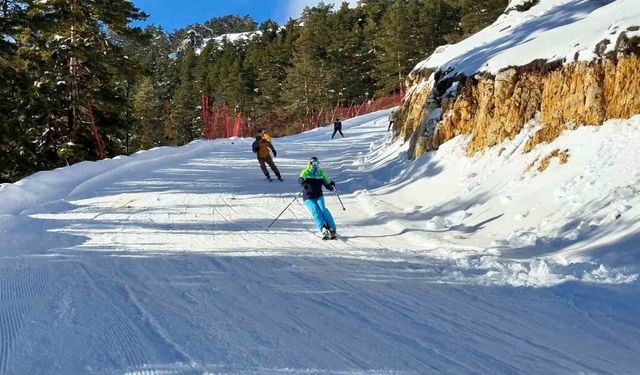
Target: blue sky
173, 14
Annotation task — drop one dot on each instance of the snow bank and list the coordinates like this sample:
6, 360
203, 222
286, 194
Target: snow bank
552, 30
46, 186
493, 219
498, 214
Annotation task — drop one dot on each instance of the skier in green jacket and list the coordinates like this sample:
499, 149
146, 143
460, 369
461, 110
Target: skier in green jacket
312, 179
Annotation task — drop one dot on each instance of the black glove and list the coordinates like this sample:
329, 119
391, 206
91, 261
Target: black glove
275, 153
332, 185
306, 186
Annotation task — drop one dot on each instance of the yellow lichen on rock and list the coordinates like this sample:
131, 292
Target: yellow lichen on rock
622, 87
561, 155
494, 109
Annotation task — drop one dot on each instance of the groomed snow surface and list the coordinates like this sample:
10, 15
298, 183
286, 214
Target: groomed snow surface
160, 263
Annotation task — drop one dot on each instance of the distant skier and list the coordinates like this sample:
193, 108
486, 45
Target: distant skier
312, 178
337, 127
262, 149
391, 120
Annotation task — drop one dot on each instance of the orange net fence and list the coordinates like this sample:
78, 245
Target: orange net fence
220, 122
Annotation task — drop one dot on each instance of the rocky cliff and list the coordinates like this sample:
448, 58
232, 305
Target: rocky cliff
456, 92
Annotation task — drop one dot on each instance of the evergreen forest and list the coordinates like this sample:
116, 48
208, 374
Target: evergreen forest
80, 82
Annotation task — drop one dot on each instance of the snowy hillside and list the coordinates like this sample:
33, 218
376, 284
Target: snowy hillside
553, 65
551, 30
160, 263
200, 43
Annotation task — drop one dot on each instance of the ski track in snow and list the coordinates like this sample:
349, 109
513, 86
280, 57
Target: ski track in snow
21, 285
166, 268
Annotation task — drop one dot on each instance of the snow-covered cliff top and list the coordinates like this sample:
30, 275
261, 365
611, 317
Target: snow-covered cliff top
199, 42
230, 38
553, 30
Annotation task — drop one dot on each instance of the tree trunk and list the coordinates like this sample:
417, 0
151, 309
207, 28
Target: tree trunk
74, 94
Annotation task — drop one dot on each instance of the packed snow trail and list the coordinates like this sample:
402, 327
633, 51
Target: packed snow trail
161, 264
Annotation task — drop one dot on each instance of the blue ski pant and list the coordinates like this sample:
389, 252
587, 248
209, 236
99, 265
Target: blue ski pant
320, 213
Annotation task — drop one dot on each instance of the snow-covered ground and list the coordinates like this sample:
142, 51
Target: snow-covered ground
160, 263
552, 30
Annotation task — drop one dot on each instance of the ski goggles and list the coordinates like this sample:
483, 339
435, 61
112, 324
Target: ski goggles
315, 163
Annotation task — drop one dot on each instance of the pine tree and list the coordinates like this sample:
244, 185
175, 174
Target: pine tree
351, 59
307, 89
236, 81
75, 64
269, 59
17, 155
433, 23
60, 57
154, 55
394, 58
230, 24
478, 14
443, 22
185, 115
147, 110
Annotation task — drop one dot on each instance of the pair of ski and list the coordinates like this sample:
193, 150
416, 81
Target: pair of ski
329, 235
271, 179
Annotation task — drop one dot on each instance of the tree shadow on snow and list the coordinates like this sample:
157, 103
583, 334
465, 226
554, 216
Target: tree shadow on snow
618, 252
566, 14
468, 228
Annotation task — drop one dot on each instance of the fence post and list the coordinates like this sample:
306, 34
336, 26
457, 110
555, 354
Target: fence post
206, 125
236, 125
317, 122
349, 114
359, 108
226, 121
304, 121
335, 110
96, 134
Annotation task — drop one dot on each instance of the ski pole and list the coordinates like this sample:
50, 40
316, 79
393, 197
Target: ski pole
286, 208
338, 195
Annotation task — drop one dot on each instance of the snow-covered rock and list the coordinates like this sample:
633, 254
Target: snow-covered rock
562, 63
550, 30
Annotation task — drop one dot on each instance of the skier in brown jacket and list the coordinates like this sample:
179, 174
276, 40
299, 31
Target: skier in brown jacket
263, 149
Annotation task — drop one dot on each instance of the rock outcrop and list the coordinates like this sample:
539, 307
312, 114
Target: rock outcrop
444, 101
492, 109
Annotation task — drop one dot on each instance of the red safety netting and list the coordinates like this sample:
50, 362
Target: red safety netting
323, 116
219, 122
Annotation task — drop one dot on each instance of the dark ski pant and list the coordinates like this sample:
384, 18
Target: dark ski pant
263, 165
320, 213
336, 131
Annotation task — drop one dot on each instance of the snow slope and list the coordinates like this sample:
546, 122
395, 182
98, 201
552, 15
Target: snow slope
228, 38
199, 42
552, 30
160, 263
